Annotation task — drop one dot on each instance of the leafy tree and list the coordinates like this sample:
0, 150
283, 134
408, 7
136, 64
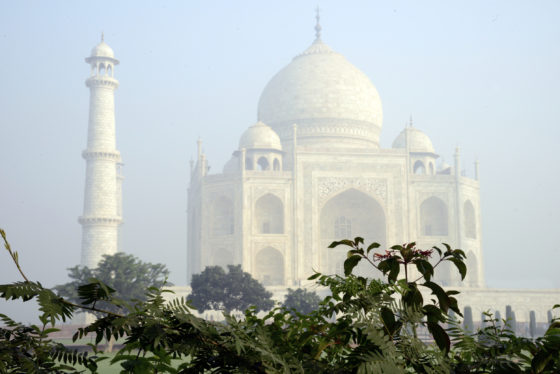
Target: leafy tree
302, 301
235, 290
376, 329
124, 273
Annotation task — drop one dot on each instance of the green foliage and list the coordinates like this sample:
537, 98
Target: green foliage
28, 349
496, 349
364, 326
301, 301
235, 290
118, 281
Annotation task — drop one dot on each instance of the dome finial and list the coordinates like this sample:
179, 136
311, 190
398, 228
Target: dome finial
102, 37
317, 24
410, 121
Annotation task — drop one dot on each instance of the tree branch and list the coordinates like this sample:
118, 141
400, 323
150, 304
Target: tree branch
14, 255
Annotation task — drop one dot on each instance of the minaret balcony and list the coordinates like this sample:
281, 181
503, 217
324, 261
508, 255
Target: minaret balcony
102, 81
102, 155
113, 221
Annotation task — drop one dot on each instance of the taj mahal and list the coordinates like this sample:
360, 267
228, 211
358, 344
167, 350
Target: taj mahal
309, 171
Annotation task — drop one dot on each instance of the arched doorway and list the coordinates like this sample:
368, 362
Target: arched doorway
269, 267
347, 215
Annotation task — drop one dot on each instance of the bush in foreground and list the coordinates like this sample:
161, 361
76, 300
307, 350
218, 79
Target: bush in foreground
376, 329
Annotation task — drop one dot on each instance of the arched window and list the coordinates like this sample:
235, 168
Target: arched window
276, 164
419, 167
470, 220
222, 257
263, 163
269, 215
248, 163
110, 70
101, 69
433, 217
431, 168
222, 216
269, 267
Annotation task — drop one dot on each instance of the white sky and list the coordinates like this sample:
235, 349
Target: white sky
482, 75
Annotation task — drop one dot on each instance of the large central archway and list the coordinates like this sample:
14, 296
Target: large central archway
347, 215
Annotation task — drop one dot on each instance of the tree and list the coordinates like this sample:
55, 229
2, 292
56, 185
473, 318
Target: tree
376, 329
235, 290
126, 274
301, 300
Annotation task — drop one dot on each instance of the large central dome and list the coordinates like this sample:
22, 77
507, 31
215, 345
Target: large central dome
329, 99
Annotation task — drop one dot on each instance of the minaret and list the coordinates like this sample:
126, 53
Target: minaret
102, 199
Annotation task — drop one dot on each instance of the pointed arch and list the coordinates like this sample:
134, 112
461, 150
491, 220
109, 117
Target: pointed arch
348, 214
222, 216
269, 267
434, 217
276, 164
470, 220
419, 167
262, 163
269, 215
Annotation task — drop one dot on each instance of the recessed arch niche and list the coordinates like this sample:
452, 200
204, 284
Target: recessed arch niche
434, 217
349, 214
222, 216
269, 215
470, 221
269, 267
472, 273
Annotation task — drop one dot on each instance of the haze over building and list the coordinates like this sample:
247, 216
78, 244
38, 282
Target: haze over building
102, 215
481, 75
311, 171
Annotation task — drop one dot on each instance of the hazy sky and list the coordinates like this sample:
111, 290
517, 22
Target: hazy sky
484, 75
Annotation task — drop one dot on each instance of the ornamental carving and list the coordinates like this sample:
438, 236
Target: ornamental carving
372, 186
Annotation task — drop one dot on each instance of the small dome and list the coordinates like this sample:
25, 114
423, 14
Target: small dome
444, 168
232, 166
102, 50
260, 136
417, 141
